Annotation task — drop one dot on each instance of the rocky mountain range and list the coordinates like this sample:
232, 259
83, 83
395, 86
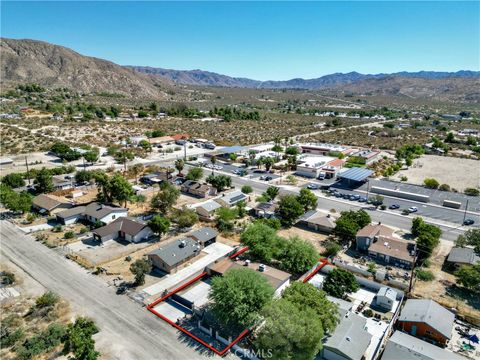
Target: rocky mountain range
27, 61
57, 66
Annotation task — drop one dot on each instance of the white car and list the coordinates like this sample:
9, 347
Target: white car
412, 209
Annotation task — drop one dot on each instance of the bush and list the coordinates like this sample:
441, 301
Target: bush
472, 192
69, 235
332, 248
424, 275
404, 178
368, 313
444, 187
431, 183
48, 299
83, 230
8, 278
31, 217
57, 228
11, 338
247, 189
273, 223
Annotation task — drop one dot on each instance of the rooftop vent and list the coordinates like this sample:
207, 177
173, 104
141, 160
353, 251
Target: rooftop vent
183, 244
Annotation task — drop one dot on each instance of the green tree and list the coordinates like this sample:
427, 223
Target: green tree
450, 138
225, 217
426, 243
91, 156
469, 276
195, 174
145, 145
306, 295
220, 182
120, 189
308, 199
470, 237
159, 225
340, 282
292, 150
44, 181
179, 165
289, 210
14, 180
262, 241
290, 332
472, 192
349, 222
268, 162
15, 201
297, 256
83, 176
247, 189
417, 224
271, 193
185, 218
79, 341
139, 268
241, 209
332, 248
165, 198
245, 288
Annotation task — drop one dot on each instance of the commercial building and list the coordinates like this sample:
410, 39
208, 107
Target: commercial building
427, 320
322, 148
311, 166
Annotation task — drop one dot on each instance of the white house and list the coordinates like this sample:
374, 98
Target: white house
231, 198
207, 209
93, 212
123, 228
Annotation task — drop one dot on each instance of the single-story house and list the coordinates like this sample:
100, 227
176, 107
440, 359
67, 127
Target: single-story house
401, 346
393, 251
349, 340
207, 209
123, 228
232, 198
156, 178
463, 256
385, 298
265, 209
426, 320
277, 278
317, 221
168, 257
158, 141
195, 188
204, 236
369, 156
93, 212
366, 235
61, 182
49, 204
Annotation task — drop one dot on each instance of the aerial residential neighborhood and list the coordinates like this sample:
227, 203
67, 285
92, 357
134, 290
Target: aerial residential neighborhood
154, 213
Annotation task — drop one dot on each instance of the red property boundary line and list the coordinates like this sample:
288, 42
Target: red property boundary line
323, 262
150, 307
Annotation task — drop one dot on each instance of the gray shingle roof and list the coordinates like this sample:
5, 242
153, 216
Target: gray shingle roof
127, 225
430, 313
177, 251
233, 197
46, 202
402, 346
204, 234
350, 336
463, 256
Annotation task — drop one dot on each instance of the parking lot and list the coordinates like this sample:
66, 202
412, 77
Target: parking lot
252, 172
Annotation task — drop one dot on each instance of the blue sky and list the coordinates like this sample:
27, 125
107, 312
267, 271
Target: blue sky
268, 40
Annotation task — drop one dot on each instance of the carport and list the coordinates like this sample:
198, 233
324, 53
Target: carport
355, 175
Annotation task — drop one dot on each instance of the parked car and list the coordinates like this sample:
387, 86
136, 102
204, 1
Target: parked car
312, 186
468, 222
362, 199
412, 209
321, 176
268, 178
337, 195
355, 197
394, 206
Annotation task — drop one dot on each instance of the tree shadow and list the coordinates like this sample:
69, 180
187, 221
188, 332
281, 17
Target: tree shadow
460, 293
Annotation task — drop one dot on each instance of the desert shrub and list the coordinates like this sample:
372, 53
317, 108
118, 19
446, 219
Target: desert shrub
69, 235
424, 275
472, 192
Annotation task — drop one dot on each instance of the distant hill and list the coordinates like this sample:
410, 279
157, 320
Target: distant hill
207, 78
57, 66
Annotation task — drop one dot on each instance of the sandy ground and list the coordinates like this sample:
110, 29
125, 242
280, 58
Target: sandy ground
315, 238
456, 172
436, 289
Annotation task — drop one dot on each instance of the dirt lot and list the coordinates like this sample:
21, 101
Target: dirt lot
456, 172
315, 238
437, 289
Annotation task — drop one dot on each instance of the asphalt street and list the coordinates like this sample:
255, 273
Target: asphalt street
128, 330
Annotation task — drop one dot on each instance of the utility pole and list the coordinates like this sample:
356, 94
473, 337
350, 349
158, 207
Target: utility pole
185, 151
412, 273
368, 187
465, 213
28, 172
84, 166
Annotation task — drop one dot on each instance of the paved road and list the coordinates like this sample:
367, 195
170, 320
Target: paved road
128, 331
386, 217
